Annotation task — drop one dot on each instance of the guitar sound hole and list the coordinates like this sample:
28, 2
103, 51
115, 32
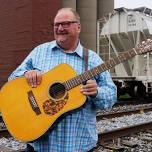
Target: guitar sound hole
57, 90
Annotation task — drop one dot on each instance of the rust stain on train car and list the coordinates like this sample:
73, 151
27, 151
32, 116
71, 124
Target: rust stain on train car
23, 25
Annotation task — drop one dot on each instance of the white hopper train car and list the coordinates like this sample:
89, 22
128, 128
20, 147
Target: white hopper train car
120, 31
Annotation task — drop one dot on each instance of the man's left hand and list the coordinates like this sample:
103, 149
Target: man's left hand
90, 89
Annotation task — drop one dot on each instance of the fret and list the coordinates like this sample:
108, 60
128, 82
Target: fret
70, 82
119, 59
67, 85
127, 55
123, 58
93, 72
87, 75
82, 78
135, 50
90, 73
112, 62
103, 67
73, 82
77, 80
70, 85
100, 68
108, 65
116, 60
138, 51
97, 69
132, 53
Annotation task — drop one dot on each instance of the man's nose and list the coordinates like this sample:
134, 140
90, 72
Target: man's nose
60, 27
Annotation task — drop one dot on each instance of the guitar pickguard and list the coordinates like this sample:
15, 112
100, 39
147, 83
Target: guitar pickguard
51, 107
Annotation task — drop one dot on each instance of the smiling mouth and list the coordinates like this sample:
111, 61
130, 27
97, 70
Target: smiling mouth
62, 33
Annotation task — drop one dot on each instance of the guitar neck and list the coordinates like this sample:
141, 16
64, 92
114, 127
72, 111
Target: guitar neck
99, 69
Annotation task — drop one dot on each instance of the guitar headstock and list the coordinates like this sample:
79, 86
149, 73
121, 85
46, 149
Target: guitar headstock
144, 47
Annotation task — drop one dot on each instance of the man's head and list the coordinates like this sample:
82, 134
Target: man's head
67, 28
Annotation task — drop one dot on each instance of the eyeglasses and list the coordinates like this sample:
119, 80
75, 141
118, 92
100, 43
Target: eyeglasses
65, 24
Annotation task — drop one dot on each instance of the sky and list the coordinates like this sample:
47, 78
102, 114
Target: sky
133, 3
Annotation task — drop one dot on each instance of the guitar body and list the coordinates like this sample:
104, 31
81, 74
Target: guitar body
29, 112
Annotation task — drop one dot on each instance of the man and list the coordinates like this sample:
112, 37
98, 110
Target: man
76, 131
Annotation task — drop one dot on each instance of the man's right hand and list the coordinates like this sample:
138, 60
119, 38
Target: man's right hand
33, 78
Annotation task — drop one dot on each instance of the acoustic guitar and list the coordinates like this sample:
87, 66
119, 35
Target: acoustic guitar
29, 112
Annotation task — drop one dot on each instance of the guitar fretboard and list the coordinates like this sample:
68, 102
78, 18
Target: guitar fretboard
99, 69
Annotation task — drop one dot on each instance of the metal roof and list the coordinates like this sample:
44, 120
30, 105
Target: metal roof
144, 10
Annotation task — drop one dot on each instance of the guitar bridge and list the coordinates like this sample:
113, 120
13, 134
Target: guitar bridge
33, 103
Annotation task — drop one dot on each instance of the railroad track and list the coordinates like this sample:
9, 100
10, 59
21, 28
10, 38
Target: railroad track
113, 139
6, 149
140, 109
132, 101
117, 133
128, 139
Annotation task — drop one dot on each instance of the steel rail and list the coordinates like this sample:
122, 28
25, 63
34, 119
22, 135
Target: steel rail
106, 136
123, 113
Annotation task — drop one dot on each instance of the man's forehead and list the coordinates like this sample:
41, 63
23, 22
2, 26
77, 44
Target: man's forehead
64, 14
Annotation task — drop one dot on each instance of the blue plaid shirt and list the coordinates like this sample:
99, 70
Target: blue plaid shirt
75, 132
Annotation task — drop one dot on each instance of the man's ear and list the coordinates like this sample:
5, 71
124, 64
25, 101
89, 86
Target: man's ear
79, 27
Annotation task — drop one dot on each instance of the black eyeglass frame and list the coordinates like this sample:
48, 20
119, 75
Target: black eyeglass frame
65, 24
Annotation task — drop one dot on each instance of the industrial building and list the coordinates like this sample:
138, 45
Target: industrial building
27, 23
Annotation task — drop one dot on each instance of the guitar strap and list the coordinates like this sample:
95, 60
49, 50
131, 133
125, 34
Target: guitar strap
85, 57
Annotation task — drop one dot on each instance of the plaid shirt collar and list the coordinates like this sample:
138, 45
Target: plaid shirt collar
78, 50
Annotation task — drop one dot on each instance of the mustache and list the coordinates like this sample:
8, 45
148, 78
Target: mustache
61, 32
